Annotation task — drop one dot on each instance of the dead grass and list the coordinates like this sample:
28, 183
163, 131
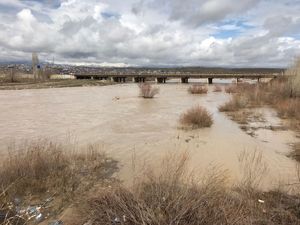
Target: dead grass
241, 117
147, 90
175, 196
43, 168
196, 117
218, 88
30, 84
296, 152
282, 94
293, 86
231, 89
275, 94
237, 102
197, 89
288, 108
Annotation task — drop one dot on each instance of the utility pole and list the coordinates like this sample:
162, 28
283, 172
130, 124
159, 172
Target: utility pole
35, 62
12, 73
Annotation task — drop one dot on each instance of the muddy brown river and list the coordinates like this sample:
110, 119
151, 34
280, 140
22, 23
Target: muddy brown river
125, 125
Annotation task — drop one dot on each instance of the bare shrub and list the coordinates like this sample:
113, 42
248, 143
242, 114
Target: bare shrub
197, 89
175, 196
253, 168
170, 197
237, 102
294, 79
147, 90
241, 117
231, 89
44, 168
296, 155
288, 108
196, 117
218, 88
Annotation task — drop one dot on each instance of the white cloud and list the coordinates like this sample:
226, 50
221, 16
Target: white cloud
152, 32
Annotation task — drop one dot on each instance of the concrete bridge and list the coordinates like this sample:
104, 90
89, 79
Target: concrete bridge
163, 77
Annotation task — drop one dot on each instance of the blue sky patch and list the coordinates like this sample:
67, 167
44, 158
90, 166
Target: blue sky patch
47, 3
231, 29
110, 15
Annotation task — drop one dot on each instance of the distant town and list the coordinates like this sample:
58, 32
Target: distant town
26, 68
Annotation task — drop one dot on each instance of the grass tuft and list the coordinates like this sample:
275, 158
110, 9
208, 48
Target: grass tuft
218, 88
41, 169
147, 90
237, 102
196, 117
197, 89
176, 197
231, 89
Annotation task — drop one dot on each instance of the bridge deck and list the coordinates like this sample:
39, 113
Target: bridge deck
182, 75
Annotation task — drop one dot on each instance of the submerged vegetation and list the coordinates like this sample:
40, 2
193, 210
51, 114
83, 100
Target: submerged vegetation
236, 103
197, 89
196, 117
147, 90
218, 88
231, 89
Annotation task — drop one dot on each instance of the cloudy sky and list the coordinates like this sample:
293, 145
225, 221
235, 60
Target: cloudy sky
230, 33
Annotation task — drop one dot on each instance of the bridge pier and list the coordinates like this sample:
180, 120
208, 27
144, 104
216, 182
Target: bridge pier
99, 78
119, 79
83, 77
139, 79
210, 80
161, 80
184, 80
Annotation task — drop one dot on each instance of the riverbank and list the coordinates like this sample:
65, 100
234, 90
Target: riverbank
59, 83
45, 182
247, 99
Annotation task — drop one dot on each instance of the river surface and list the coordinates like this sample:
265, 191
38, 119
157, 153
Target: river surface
127, 127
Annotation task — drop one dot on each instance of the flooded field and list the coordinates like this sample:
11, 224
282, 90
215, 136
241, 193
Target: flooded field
128, 127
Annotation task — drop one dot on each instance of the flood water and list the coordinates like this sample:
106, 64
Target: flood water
125, 125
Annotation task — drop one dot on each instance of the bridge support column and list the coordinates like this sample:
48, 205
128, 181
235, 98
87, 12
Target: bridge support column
139, 79
184, 80
83, 77
258, 80
161, 80
210, 80
117, 79
100, 78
